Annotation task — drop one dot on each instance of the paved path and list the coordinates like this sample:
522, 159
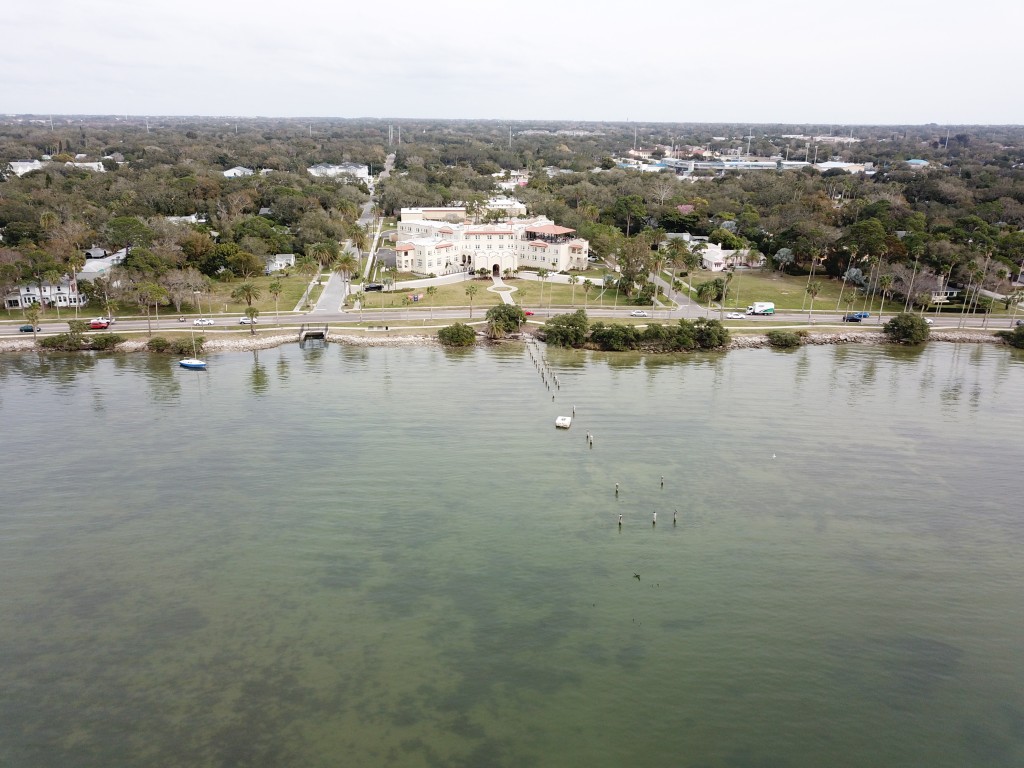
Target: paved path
502, 289
333, 295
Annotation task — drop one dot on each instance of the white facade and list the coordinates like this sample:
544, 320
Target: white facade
280, 261
21, 167
63, 294
440, 248
715, 258
452, 214
238, 170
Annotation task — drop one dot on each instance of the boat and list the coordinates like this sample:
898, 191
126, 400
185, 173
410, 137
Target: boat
563, 422
193, 363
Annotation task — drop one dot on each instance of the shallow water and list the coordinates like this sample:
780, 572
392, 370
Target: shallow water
390, 557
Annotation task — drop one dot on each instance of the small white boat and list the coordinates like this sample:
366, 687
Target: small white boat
563, 422
193, 364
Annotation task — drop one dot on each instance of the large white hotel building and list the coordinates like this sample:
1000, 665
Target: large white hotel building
426, 246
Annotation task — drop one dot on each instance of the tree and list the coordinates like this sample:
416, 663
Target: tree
567, 330
146, 295
244, 264
322, 253
906, 328
358, 297
813, 289
542, 274
783, 257
276, 288
252, 313
588, 284
503, 319
32, 315
345, 265
52, 278
885, 286
471, 291
457, 335
573, 281
247, 292
127, 232
431, 293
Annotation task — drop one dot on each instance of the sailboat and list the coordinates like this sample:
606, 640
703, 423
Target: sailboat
193, 363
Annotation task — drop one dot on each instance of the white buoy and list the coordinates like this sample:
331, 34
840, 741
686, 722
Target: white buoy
620, 520
654, 520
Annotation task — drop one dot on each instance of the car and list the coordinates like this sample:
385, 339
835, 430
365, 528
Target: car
28, 328
638, 313
528, 313
928, 321
1019, 322
203, 321
98, 324
862, 315
734, 316
373, 287
247, 321
856, 318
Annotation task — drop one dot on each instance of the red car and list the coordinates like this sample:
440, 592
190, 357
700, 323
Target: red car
99, 324
529, 313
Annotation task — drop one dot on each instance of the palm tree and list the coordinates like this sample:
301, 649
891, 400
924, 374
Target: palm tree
813, 289
588, 284
358, 297
725, 293
885, 286
916, 249
322, 252
431, 293
345, 265
76, 263
706, 292
542, 274
573, 280
275, 289
52, 276
32, 315
849, 264
471, 291
246, 292
252, 313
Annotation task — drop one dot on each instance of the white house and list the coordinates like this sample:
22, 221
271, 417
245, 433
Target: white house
62, 294
21, 167
436, 247
508, 206
237, 171
361, 172
715, 258
280, 261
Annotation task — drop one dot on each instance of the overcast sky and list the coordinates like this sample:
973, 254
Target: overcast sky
870, 61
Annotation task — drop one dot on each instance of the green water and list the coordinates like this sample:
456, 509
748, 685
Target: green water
390, 557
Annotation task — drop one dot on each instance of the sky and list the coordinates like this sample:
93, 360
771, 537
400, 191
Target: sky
787, 61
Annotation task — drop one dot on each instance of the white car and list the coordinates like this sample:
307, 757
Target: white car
928, 321
246, 321
202, 321
638, 313
734, 316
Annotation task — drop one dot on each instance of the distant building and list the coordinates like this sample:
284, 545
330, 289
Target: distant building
453, 214
238, 171
324, 170
21, 167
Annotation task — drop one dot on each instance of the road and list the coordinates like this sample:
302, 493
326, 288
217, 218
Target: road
229, 323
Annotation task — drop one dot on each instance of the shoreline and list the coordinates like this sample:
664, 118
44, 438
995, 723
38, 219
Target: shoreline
746, 341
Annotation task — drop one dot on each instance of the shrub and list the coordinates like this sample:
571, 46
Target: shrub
104, 341
567, 330
186, 346
906, 328
457, 335
63, 342
1014, 338
710, 334
784, 339
158, 344
505, 318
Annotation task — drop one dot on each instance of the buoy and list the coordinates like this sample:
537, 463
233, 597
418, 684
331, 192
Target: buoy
773, 455
620, 521
662, 481
654, 520
674, 516
616, 489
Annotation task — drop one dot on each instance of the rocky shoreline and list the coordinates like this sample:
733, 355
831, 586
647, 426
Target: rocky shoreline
753, 341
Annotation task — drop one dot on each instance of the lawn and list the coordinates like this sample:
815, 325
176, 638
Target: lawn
453, 295
785, 291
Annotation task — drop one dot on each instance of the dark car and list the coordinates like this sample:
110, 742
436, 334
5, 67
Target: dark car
28, 329
373, 287
852, 318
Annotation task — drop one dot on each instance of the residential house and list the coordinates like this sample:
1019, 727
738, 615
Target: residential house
279, 261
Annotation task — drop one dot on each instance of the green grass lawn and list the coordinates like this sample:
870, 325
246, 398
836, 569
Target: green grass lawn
453, 295
785, 291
